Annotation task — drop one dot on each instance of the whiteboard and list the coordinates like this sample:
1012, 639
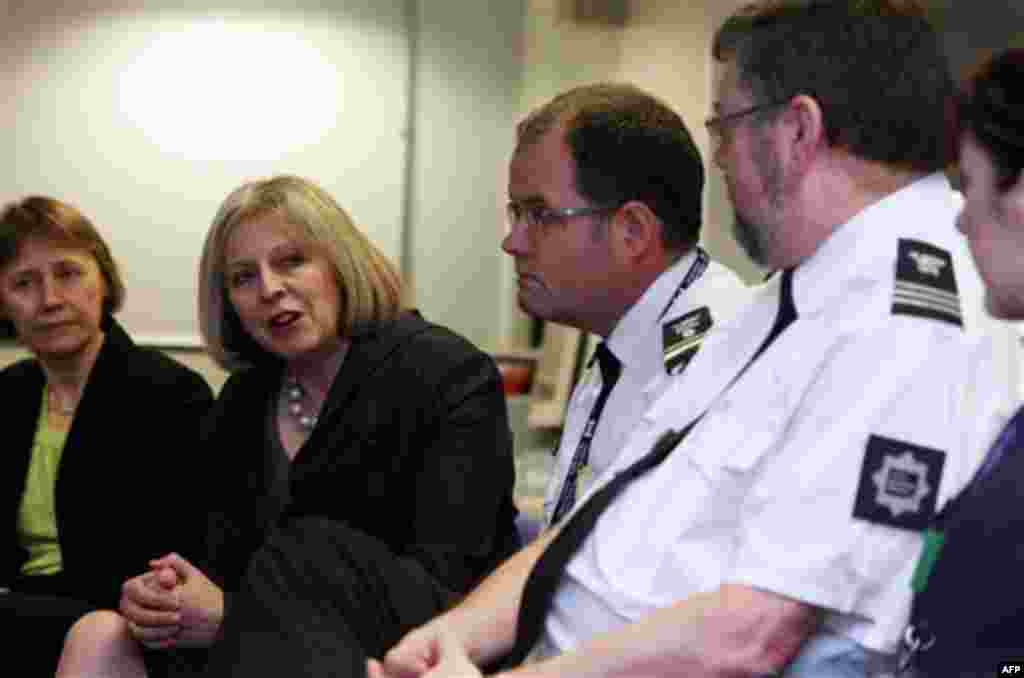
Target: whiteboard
145, 117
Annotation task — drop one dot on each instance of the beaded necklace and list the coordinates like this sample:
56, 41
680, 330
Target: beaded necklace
295, 393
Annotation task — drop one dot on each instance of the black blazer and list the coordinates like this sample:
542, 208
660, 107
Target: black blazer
412, 447
123, 492
971, 613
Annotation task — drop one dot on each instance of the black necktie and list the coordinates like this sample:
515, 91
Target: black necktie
611, 368
547, 572
785, 315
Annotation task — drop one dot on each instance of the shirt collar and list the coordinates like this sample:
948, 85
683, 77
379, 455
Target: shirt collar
631, 337
864, 247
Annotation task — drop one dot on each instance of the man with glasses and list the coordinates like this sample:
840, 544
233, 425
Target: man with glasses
769, 522
604, 216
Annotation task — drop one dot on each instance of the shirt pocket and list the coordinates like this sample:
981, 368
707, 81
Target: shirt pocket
735, 436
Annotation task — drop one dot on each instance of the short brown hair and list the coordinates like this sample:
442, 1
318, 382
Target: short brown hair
50, 219
369, 285
627, 144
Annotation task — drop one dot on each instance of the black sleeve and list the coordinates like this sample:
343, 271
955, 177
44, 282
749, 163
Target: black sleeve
135, 493
197, 400
464, 512
234, 524
177, 451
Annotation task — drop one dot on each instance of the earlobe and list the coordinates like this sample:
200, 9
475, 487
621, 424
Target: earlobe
807, 126
639, 228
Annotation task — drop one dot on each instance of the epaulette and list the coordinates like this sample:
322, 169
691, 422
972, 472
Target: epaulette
925, 283
681, 338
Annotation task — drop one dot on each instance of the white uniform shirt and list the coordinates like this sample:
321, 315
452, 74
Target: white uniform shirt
762, 491
637, 342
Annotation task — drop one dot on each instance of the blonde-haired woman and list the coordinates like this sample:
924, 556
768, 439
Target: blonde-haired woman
361, 456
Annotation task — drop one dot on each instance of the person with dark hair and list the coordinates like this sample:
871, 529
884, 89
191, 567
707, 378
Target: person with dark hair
968, 610
361, 459
767, 522
604, 216
85, 507
881, 110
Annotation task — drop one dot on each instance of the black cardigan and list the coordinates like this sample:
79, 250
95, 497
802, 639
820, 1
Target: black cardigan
123, 485
412, 447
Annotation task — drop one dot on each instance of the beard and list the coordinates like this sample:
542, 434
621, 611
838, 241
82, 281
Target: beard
748, 237
758, 238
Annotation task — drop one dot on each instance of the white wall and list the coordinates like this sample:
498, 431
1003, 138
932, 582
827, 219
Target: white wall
466, 97
145, 115
123, 109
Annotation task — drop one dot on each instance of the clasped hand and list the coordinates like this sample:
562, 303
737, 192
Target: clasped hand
172, 605
431, 651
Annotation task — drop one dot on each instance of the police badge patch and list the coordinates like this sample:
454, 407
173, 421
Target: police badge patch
681, 338
925, 283
899, 483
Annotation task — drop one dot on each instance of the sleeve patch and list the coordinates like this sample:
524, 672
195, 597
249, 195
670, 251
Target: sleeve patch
925, 283
899, 483
681, 338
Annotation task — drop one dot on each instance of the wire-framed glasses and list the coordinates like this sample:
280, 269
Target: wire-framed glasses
536, 215
715, 124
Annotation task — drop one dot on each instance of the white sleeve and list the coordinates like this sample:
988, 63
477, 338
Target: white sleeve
892, 390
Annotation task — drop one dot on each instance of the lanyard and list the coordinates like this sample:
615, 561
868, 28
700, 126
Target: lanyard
610, 369
1006, 442
581, 457
697, 269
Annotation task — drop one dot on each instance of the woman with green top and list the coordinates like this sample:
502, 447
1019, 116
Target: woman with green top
97, 434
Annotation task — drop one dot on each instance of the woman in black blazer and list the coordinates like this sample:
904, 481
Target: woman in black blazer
360, 456
97, 432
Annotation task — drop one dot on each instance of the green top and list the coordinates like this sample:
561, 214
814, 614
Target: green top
37, 516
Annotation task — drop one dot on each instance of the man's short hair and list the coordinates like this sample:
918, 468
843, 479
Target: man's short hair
876, 68
628, 145
991, 108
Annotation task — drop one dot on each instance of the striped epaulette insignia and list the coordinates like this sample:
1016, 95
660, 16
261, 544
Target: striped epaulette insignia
925, 283
681, 338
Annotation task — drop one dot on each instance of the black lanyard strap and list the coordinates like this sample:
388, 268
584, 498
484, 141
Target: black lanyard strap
697, 269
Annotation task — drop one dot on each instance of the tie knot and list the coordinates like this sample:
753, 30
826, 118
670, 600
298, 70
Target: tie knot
609, 364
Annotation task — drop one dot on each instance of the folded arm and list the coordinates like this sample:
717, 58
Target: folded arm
478, 631
735, 632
